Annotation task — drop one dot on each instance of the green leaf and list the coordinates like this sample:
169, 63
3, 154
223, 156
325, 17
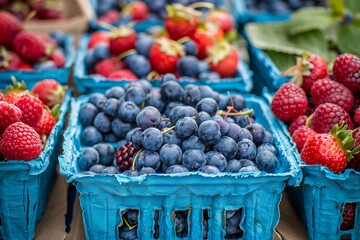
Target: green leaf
312, 18
282, 60
349, 39
338, 7
353, 6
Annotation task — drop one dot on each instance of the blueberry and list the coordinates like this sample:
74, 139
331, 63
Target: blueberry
224, 126
192, 111
209, 132
233, 224
203, 66
128, 112
206, 91
176, 169
146, 171
190, 48
170, 154
59, 37
152, 139
191, 95
115, 92
111, 170
171, 137
246, 134
238, 101
127, 234
216, 159
249, 169
132, 216
154, 100
209, 76
170, 106
90, 60
120, 144
208, 105
266, 146
46, 65
120, 128
242, 121
168, 77
87, 114
233, 166
135, 138
235, 132
186, 79
155, 6
192, 142
97, 99
209, 169
110, 137
148, 158
136, 95
171, 91
185, 127
223, 101
88, 158
102, 122
111, 107
106, 153
148, 117
97, 168
230, 120
144, 44
246, 149
178, 113
257, 131
227, 147
179, 222
202, 117
145, 84
130, 58
268, 138
131, 173
101, 52
246, 163
90, 136
140, 66
193, 159
266, 161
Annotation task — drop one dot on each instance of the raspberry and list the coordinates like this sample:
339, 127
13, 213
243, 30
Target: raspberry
9, 114
357, 116
296, 123
346, 70
124, 156
31, 108
348, 216
301, 135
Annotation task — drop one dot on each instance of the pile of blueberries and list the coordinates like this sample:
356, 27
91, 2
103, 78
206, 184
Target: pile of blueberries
281, 6
170, 130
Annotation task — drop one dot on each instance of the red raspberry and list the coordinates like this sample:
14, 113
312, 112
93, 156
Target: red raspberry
301, 135
108, 66
296, 123
346, 70
9, 114
317, 69
31, 108
122, 75
355, 162
357, 116
348, 216
124, 156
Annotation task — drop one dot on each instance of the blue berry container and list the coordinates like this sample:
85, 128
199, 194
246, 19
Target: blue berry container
321, 197
242, 82
104, 196
25, 186
33, 76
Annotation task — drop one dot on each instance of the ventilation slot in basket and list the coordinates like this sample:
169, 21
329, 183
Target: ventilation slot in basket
345, 237
233, 222
156, 232
181, 223
348, 216
129, 224
205, 223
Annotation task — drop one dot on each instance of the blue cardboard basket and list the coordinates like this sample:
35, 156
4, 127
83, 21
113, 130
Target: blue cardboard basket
25, 186
242, 82
321, 196
104, 196
33, 76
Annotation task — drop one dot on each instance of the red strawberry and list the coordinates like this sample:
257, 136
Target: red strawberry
24, 66
224, 59
58, 57
138, 10
112, 16
12, 97
122, 75
31, 108
122, 39
348, 216
10, 25
46, 123
289, 102
12, 93
181, 21
8, 60
327, 115
330, 150
97, 38
309, 69
329, 91
301, 135
223, 19
296, 123
164, 55
30, 47
107, 66
49, 42
49, 91
9, 114
203, 42
20, 142
346, 70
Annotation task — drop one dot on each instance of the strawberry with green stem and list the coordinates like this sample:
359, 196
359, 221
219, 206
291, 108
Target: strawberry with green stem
10, 26
122, 39
223, 59
14, 91
47, 122
49, 91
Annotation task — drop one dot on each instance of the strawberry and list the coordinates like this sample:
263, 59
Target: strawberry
122, 75
309, 68
31, 108
30, 47
9, 114
328, 91
46, 123
122, 39
223, 59
111, 16
49, 42
164, 55
20, 142
107, 66
331, 150
203, 42
24, 66
97, 38
8, 60
301, 135
181, 21
138, 10
49, 91
10, 25
58, 57
12, 93
357, 116
296, 123
12, 97
346, 70
289, 102
327, 115
223, 19
348, 216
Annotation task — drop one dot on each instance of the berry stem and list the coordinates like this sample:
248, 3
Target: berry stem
184, 39
201, 4
165, 119
128, 225
223, 113
153, 75
125, 54
135, 157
